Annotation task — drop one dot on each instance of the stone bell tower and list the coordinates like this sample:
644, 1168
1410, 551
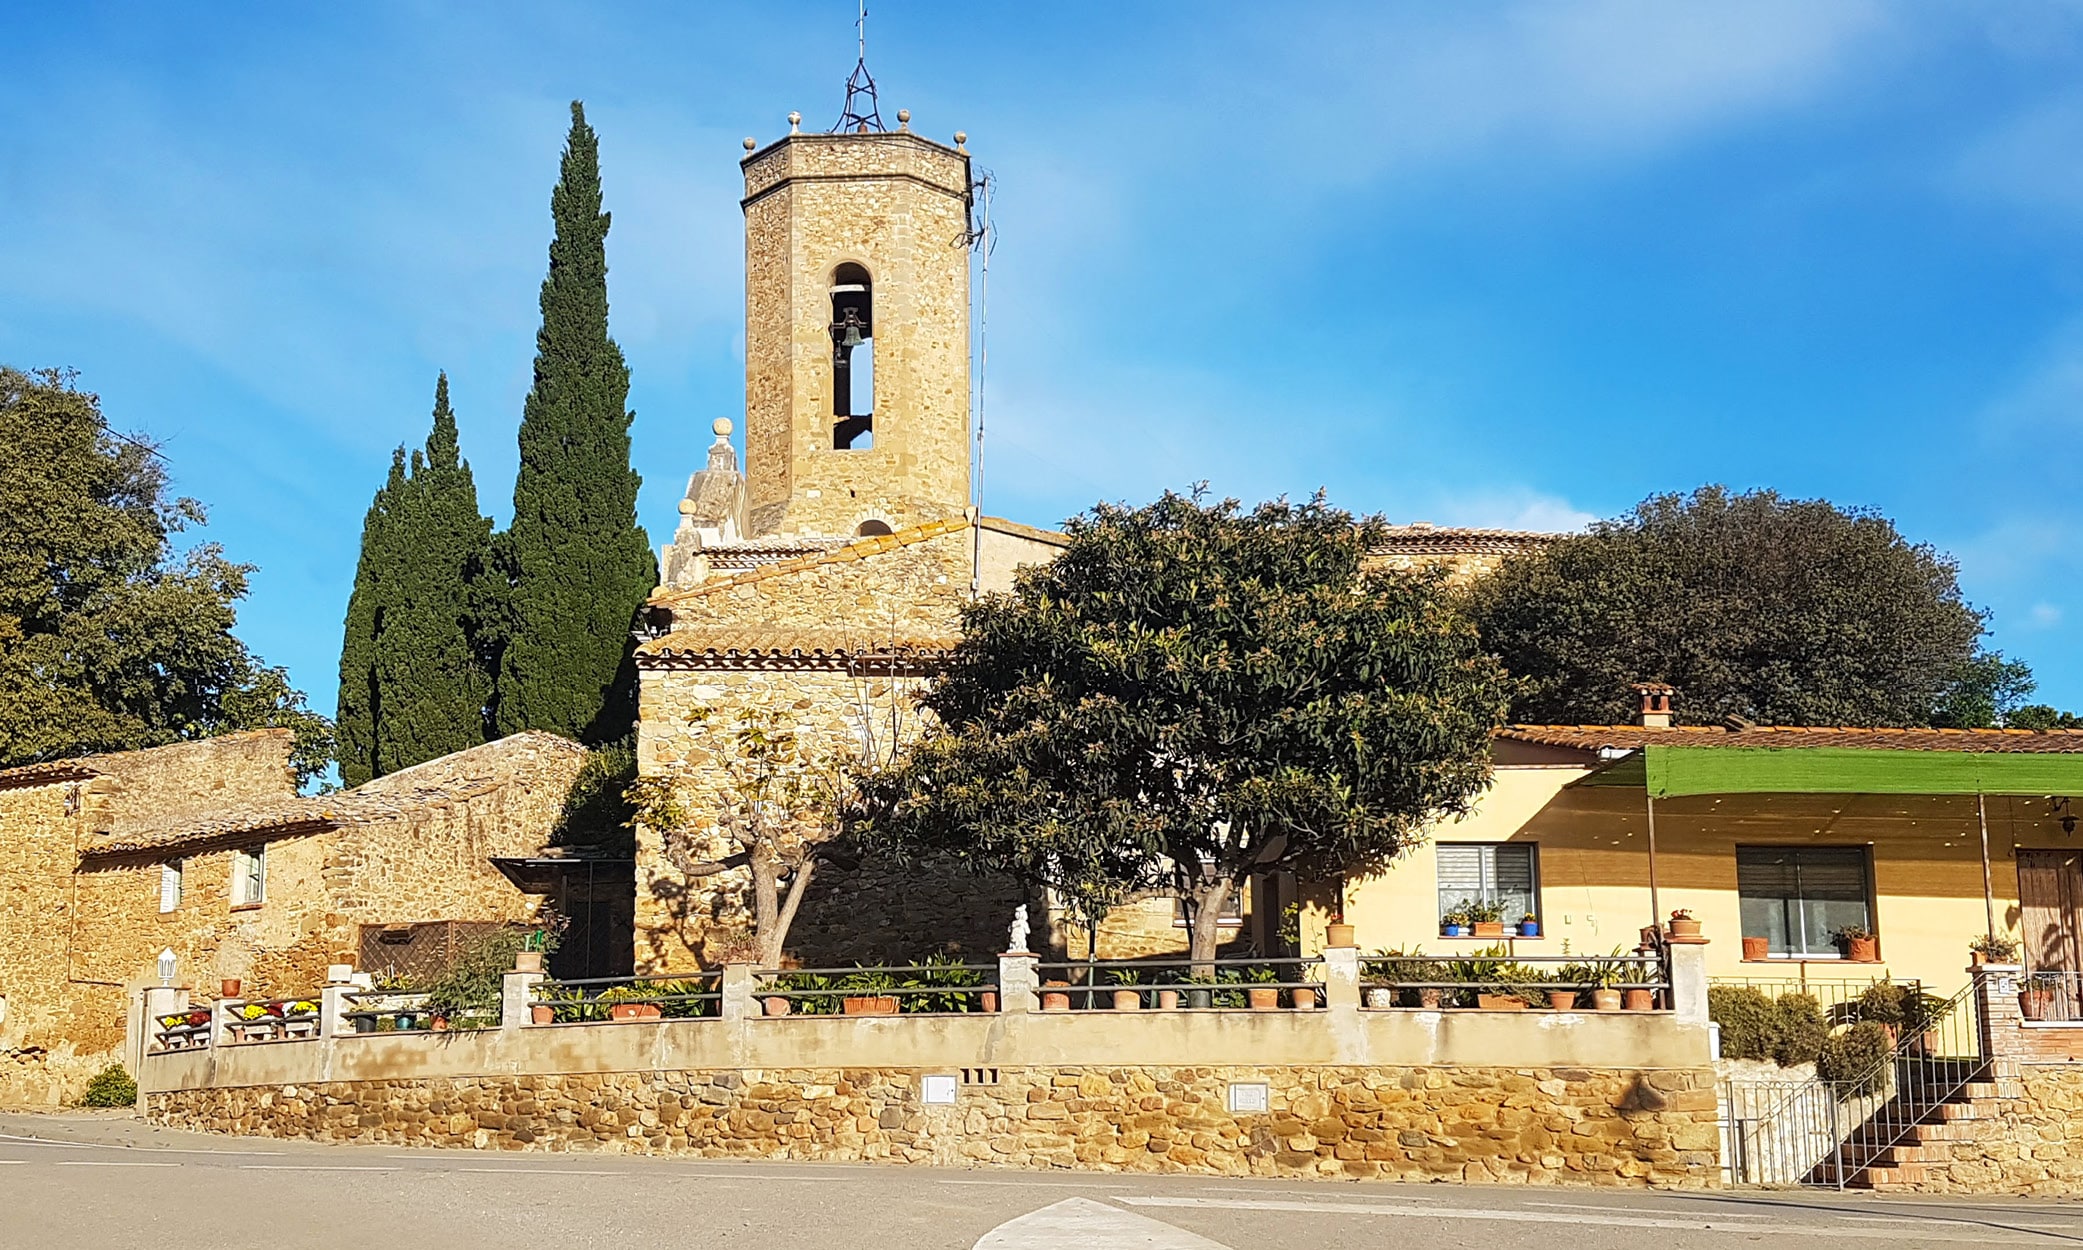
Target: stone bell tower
856, 330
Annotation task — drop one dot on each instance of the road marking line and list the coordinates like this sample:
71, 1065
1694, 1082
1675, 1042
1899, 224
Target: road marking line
111, 1163
1586, 1206
1985, 1235
527, 1171
309, 1167
49, 1144
1030, 1183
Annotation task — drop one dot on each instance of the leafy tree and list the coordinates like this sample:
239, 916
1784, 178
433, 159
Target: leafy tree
414, 684
1986, 690
577, 563
110, 638
1192, 693
1781, 611
2042, 716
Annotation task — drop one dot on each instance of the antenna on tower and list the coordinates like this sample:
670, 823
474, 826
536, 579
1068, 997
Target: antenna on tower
982, 238
858, 116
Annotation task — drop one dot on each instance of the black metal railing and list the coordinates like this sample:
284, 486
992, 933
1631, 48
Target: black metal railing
1220, 984
410, 1011
667, 997
914, 989
1495, 979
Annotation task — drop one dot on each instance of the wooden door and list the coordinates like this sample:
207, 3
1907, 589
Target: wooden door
2050, 902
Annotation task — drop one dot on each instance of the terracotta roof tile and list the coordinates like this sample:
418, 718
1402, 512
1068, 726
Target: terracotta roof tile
2007, 741
1424, 538
46, 773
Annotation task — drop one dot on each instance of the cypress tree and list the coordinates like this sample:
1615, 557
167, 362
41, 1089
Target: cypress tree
413, 685
367, 611
577, 564
432, 689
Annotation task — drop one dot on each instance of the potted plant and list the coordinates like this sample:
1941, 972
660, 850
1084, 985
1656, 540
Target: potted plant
2036, 995
1454, 922
1987, 948
1529, 925
228, 988
1126, 996
1605, 978
868, 993
1262, 993
626, 1002
1339, 933
1488, 919
1858, 943
1683, 925
1055, 996
1756, 949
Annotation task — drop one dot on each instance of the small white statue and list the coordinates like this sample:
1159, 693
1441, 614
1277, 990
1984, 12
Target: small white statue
1018, 937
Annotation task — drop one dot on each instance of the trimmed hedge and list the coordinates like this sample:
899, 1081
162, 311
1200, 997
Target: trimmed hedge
111, 1087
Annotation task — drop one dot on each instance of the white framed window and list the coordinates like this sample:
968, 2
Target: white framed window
169, 886
1502, 873
249, 876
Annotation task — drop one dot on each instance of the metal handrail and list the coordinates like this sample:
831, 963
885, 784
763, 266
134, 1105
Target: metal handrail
1914, 1079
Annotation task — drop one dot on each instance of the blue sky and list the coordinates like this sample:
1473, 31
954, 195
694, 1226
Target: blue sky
1474, 263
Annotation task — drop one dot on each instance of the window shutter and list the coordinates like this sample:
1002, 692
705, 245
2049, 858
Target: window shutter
1512, 870
1460, 870
170, 885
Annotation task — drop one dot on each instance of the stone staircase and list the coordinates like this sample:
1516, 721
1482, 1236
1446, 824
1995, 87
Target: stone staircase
1912, 1141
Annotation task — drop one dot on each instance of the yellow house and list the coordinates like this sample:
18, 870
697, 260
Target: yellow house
1782, 836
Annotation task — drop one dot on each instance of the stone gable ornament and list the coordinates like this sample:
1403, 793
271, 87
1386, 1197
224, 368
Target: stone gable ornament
1017, 939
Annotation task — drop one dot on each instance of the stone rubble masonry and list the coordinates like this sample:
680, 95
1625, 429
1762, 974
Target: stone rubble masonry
61, 1008
898, 205
77, 925
1607, 1127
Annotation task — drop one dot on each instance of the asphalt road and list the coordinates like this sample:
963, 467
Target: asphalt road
106, 1182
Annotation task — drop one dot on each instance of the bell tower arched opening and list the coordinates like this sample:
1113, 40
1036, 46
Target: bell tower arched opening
853, 359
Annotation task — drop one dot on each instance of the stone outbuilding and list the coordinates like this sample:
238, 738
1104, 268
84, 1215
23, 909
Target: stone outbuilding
203, 853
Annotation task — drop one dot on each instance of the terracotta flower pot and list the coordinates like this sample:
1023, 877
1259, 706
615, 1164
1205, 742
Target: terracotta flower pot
1340, 935
1055, 999
1489, 928
1264, 998
1862, 950
1757, 948
538, 1013
1128, 1000
439, 1024
1562, 1000
1640, 1000
1605, 1000
1684, 928
777, 1006
870, 1005
1978, 958
1168, 1000
1430, 999
1304, 1000
228, 987
634, 1011
990, 998
1500, 1002
2034, 1004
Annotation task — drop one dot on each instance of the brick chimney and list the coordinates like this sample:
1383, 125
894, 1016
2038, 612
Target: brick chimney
1656, 704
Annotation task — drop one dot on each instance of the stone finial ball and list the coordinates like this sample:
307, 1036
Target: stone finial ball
750, 143
721, 427
687, 507
903, 115
795, 119
961, 137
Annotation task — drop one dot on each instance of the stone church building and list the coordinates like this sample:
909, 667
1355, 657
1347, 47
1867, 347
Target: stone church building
823, 582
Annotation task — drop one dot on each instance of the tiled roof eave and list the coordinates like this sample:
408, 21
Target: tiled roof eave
909, 660
1797, 737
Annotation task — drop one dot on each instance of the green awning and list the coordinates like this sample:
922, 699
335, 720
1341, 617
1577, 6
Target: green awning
1671, 771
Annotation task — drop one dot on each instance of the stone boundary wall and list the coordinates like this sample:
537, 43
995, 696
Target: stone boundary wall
1613, 1127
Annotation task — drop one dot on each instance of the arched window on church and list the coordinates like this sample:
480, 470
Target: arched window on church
853, 359
872, 528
